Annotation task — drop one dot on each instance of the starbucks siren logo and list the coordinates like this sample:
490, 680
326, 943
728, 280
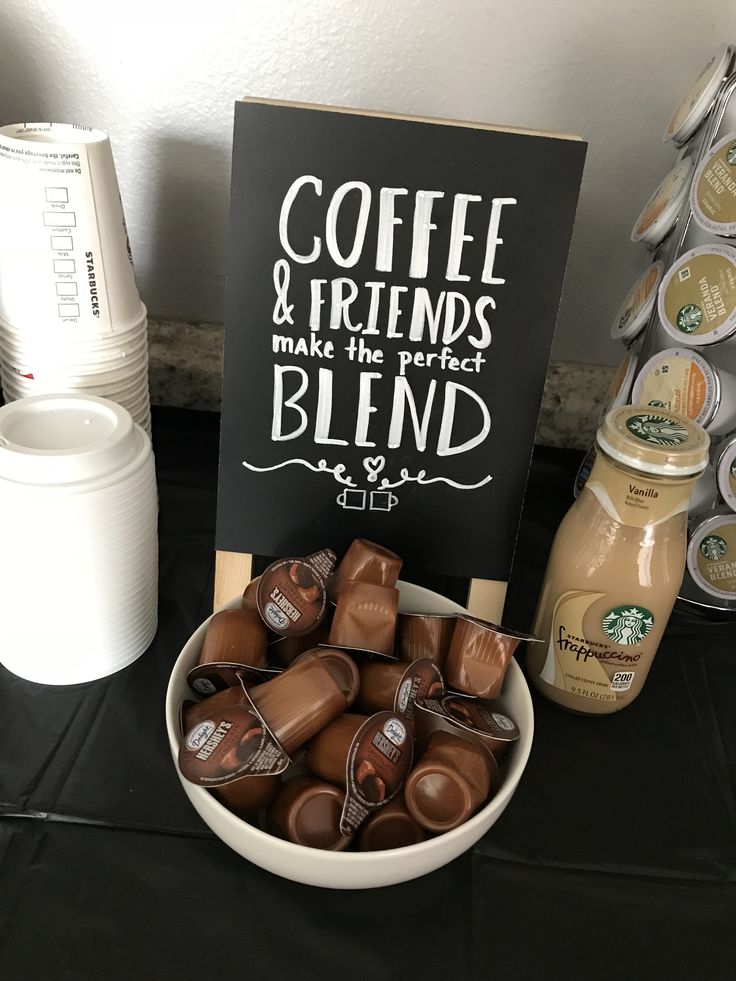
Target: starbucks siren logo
627, 624
689, 318
731, 155
660, 430
713, 547
732, 470
655, 403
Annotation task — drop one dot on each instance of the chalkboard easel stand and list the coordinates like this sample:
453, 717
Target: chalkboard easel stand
233, 570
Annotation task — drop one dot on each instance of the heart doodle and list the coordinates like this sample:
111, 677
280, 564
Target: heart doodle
373, 466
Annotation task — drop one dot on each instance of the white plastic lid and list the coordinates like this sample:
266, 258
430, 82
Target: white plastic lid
711, 555
695, 106
633, 314
659, 214
62, 439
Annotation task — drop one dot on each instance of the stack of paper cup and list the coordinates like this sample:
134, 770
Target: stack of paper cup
71, 318
79, 577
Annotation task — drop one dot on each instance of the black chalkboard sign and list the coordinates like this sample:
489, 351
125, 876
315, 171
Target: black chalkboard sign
393, 285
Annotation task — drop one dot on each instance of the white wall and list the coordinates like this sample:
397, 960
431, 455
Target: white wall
161, 78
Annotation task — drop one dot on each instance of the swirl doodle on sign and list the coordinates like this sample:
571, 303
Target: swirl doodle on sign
421, 478
338, 472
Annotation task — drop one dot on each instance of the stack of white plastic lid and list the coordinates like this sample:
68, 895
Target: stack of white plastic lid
79, 577
71, 318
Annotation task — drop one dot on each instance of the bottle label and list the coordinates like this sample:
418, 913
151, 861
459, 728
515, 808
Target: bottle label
600, 666
635, 500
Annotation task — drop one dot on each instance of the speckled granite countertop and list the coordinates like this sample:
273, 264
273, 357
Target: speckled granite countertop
186, 370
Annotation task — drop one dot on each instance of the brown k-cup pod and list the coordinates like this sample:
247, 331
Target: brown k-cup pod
452, 779
425, 635
292, 593
390, 827
307, 812
327, 752
479, 656
235, 637
464, 715
366, 562
247, 796
249, 599
285, 650
365, 618
394, 686
319, 685
224, 738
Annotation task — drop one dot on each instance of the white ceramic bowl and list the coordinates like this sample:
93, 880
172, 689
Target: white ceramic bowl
355, 870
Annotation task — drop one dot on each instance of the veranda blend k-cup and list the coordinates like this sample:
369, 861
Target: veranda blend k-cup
697, 296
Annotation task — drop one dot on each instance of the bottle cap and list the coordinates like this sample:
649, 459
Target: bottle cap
653, 440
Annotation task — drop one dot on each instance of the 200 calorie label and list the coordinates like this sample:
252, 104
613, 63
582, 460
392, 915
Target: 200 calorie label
378, 763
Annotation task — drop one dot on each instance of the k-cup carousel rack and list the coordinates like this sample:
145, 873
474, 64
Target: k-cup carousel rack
690, 364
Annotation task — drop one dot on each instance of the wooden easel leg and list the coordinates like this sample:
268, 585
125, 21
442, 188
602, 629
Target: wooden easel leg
486, 598
233, 572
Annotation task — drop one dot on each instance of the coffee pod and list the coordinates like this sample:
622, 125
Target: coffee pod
235, 637
451, 781
713, 190
699, 98
726, 472
206, 679
318, 686
249, 795
634, 313
285, 650
366, 562
697, 296
683, 381
479, 656
224, 739
307, 812
464, 715
425, 635
249, 600
365, 618
660, 213
711, 556
390, 827
292, 593
327, 753
396, 686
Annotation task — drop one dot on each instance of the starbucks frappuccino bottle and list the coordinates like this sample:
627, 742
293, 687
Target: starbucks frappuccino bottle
617, 562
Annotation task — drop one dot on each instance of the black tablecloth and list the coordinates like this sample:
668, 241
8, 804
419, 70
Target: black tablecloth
616, 858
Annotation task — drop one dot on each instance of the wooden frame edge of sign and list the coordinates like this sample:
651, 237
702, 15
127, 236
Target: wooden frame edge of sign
234, 570
437, 121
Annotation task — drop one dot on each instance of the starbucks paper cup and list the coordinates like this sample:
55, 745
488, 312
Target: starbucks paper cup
683, 381
699, 98
711, 556
633, 314
63, 239
662, 209
697, 296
